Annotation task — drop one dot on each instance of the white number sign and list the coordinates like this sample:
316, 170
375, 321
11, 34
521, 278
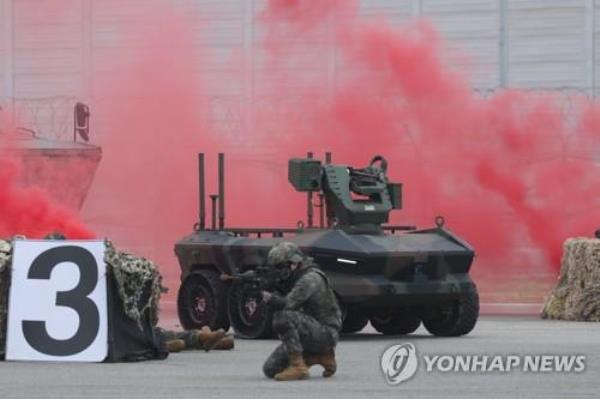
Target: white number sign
58, 302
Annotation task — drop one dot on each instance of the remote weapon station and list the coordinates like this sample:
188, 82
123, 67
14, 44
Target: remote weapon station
396, 277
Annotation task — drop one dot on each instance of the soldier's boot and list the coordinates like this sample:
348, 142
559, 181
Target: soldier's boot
175, 345
297, 369
207, 339
326, 359
224, 343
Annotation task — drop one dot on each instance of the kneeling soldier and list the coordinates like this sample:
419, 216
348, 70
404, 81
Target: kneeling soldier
307, 319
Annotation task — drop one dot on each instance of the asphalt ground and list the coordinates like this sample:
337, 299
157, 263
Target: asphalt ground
237, 373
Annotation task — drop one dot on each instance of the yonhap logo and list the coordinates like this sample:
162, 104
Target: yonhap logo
399, 363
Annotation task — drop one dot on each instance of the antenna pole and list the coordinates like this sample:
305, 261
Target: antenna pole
201, 191
221, 191
327, 162
309, 202
213, 200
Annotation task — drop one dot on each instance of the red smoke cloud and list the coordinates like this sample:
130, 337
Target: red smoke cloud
511, 173
149, 100
30, 211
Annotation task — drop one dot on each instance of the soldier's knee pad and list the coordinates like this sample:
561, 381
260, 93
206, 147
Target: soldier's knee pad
283, 321
268, 370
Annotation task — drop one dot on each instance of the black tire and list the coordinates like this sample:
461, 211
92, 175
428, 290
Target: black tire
354, 320
250, 317
454, 318
395, 321
202, 301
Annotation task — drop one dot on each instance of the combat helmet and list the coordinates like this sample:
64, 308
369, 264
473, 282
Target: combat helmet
283, 253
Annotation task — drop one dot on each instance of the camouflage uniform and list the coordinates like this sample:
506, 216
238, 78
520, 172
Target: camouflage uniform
308, 318
189, 337
204, 338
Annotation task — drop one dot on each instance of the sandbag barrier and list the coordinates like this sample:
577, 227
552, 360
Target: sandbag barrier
577, 293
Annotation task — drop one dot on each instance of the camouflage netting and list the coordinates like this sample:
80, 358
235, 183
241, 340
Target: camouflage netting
577, 294
134, 276
5, 259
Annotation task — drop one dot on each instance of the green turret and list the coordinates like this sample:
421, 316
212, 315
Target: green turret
357, 200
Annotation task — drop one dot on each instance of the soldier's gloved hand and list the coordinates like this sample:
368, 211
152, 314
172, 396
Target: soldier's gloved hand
266, 296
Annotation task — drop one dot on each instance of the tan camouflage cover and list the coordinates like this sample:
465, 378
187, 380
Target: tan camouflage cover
577, 294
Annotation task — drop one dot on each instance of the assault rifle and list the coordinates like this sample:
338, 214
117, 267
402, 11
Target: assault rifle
263, 278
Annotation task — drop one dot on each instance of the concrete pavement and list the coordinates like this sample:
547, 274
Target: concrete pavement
237, 373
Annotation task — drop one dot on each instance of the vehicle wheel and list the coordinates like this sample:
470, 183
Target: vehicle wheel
455, 318
202, 301
354, 320
250, 317
392, 321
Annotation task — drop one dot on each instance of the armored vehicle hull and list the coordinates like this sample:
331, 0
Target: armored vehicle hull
393, 276
395, 280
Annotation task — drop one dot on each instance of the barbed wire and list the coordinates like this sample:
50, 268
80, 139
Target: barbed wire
52, 117
46, 117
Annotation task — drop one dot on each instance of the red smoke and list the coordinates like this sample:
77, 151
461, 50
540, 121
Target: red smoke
509, 172
149, 100
514, 173
30, 212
